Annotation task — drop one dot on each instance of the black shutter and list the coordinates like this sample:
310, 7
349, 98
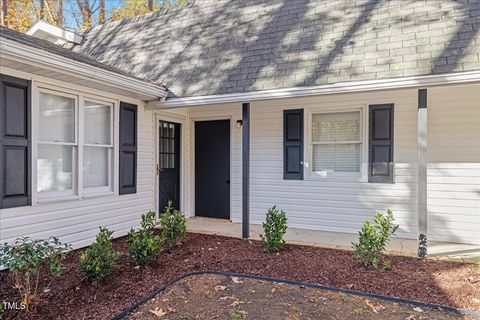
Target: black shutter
128, 148
293, 144
15, 173
381, 164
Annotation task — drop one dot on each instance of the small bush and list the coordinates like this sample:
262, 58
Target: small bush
29, 261
174, 226
374, 237
274, 228
98, 260
143, 244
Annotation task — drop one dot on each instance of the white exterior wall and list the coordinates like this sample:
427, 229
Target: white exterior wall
340, 204
333, 204
77, 221
454, 164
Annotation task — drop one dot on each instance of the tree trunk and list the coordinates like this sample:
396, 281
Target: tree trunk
3, 12
59, 14
150, 5
42, 9
86, 13
101, 14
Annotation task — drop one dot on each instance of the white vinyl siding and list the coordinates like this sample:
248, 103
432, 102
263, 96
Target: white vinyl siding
77, 221
337, 203
454, 164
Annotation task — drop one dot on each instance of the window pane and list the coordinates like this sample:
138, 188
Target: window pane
54, 168
336, 157
57, 118
336, 127
97, 123
95, 166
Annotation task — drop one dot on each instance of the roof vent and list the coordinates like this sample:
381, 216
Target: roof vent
46, 31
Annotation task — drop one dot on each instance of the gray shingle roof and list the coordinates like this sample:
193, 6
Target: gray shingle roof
52, 48
224, 46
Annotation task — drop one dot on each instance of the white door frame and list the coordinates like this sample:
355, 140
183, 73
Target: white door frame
192, 157
180, 119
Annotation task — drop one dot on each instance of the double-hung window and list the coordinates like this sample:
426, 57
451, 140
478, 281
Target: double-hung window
336, 143
97, 146
74, 147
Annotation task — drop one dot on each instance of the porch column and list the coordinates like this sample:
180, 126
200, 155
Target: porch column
422, 173
245, 170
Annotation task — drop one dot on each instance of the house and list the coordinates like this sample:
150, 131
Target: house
331, 110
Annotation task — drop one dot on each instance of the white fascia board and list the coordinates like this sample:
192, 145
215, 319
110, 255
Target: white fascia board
58, 33
48, 60
346, 87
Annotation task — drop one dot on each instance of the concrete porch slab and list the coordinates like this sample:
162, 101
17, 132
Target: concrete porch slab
335, 240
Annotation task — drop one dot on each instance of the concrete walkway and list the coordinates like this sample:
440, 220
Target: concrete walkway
335, 240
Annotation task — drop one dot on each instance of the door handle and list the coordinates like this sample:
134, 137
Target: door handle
159, 170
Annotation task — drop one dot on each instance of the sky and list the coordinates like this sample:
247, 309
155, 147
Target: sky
71, 6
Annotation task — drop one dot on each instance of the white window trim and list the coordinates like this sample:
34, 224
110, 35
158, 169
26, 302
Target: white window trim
78, 191
309, 174
93, 191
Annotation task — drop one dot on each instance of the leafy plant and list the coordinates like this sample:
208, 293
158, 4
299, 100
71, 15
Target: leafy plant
357, 312
237, 314
374, 237
343, 297
98, 260
274, 228
174, 226
143, 244
30, 261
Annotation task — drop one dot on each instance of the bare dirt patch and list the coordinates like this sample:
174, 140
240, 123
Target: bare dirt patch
225, 297
72, 297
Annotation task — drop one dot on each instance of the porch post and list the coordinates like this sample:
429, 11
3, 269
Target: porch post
245, 170
422, 173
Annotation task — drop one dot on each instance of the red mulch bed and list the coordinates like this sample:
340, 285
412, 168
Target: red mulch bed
72, 297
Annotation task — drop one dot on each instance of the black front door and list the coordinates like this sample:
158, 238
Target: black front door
212, 169
169, 164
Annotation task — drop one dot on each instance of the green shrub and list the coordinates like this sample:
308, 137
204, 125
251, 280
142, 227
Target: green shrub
143, 244
29, 261
174, 226
274, 228
98, 260
374, 237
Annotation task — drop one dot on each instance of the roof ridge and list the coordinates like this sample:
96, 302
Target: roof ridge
144, 16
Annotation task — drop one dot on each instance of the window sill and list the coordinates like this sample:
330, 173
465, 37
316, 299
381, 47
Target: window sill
56, 199
60, 199
347, 177
98, 194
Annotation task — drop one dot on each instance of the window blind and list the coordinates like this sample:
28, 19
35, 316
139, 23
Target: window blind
336, 141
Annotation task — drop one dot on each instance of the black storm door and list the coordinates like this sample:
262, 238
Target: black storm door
169, 164
212, 169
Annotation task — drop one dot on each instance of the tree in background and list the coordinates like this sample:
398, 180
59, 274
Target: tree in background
22, 14
132, 8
